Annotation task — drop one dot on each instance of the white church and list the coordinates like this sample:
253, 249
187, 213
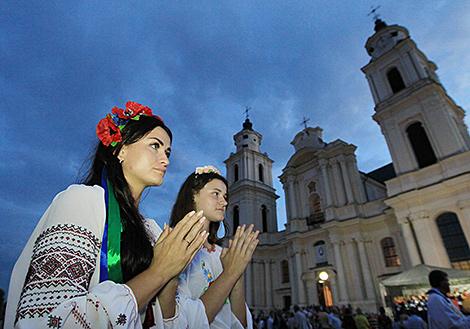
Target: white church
348, 230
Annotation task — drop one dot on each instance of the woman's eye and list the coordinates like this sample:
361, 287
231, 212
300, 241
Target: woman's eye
155, 146
168, 153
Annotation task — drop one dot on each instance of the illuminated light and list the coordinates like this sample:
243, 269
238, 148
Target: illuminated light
323, 276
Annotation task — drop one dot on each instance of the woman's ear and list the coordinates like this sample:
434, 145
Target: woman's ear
122, 153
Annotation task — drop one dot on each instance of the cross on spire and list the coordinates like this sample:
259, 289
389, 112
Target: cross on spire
304, 122
247, 109
374, 13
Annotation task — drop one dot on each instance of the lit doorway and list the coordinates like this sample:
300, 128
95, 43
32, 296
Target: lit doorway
325, 296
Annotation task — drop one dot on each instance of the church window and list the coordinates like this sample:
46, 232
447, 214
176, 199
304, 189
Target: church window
284, 271
421, 145
260, 172
235, 173
390, 252
454, 240
264, 217
245, 136
236, 218
245, 145
394, 34
395, 80
316, 212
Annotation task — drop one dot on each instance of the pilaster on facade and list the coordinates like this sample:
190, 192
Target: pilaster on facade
341, 274
365, 268
429, 240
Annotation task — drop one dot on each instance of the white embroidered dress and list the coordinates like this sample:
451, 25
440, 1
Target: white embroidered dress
195, 280
55, 282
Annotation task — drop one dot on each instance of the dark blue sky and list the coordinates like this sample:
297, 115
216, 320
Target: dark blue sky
65, 64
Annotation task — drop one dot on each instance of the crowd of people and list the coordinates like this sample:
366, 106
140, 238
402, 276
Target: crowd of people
318, 317
438, 309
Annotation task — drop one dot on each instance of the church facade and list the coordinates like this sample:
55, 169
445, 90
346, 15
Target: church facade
347, 230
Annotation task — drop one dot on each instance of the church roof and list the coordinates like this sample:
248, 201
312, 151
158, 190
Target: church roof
383, 174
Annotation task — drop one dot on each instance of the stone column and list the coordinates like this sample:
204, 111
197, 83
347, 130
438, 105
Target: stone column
249, 285
334, 289
341, 198
340, 274
287, 195
356, 285
268, 287
312, 294
326, 182
409, 241
292, 280
356, 180
298, 281
346, 180
430, 241
368, 282
292, 202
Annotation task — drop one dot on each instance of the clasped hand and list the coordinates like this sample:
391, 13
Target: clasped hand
175, 248
237, 256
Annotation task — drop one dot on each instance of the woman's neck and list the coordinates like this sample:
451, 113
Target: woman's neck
207, 224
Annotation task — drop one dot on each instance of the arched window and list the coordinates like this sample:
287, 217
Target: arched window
235, 173
260, 172
454, 240
395, 80
264, 217
236, 218
421, 145
314, 203
390, 252
284, 271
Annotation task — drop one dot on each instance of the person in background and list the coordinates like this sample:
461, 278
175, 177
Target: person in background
442, 313
415, 321
384, 321
301, 320
361, 320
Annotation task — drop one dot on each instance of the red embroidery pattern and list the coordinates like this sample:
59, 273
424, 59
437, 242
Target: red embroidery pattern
54, 321
62, 263
80, 318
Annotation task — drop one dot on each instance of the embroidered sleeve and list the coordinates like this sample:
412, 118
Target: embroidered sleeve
56, 293
60, 263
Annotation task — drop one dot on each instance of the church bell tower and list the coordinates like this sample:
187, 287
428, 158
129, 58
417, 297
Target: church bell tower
429, 145
251, 193
421, 123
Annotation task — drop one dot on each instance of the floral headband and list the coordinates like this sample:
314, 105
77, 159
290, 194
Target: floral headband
109, 128
207, 170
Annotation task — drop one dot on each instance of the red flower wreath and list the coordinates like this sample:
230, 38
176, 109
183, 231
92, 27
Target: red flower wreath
108, 132
133, 111
108, 129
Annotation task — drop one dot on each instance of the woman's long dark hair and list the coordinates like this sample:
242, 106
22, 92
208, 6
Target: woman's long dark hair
185, 202
136, 249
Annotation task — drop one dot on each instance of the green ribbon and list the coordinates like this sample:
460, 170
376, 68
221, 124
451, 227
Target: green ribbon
114, 237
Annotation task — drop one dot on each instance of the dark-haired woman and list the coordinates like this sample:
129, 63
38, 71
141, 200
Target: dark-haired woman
93, 261
215, 275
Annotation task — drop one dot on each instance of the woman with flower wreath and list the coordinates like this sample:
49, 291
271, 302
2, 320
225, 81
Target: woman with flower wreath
215, 275
93, 261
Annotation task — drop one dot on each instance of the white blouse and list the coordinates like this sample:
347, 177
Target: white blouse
204, 269
55, 282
